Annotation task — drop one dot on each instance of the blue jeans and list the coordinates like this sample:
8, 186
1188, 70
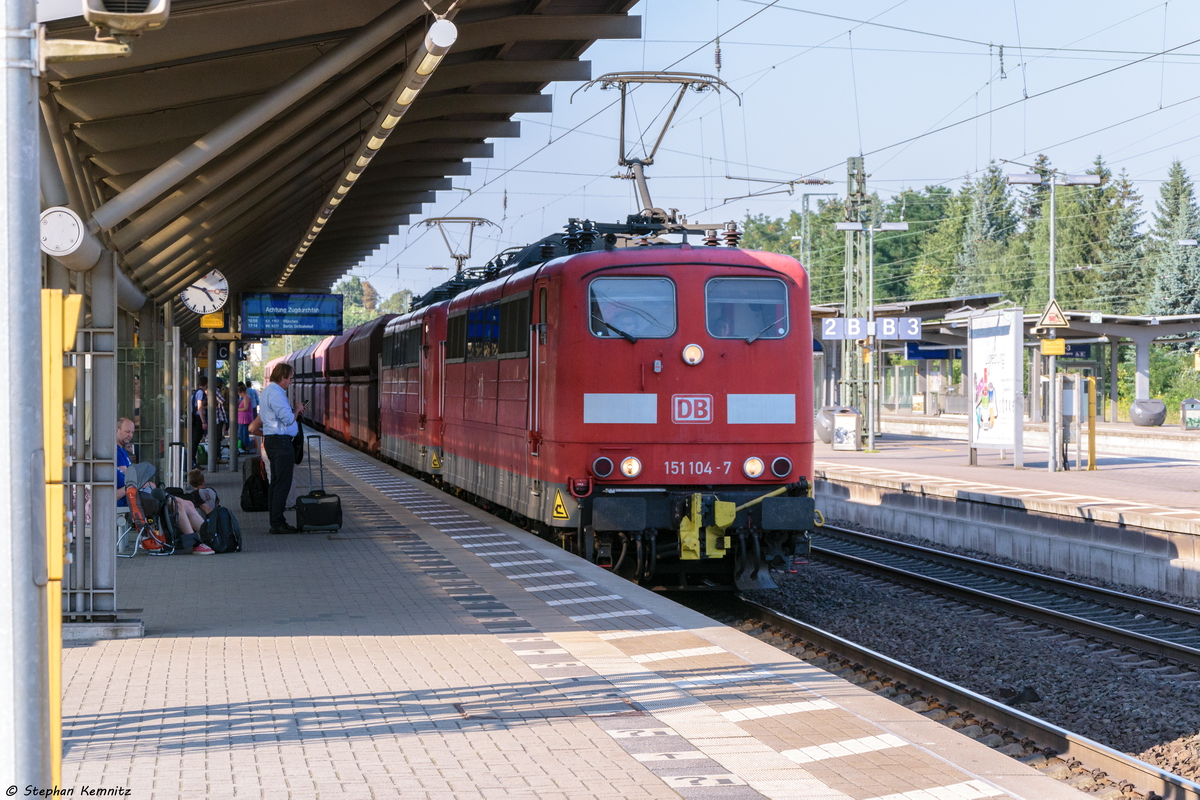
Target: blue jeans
244, 436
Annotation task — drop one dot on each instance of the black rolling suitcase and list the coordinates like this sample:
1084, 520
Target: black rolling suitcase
317, 510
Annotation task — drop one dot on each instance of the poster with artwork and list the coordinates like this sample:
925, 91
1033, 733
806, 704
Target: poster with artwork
995, 349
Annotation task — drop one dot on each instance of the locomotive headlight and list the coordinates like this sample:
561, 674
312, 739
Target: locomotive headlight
602, 467
753, 467
631, 467
693, 354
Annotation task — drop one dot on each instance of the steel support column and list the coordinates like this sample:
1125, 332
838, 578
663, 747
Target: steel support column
231, 411
24, 680
214, 434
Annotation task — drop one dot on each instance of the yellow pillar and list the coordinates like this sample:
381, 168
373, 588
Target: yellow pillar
60, 317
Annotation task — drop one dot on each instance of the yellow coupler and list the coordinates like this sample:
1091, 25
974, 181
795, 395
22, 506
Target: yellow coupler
716, 540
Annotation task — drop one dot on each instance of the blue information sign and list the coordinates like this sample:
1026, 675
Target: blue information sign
279, 314
917, 351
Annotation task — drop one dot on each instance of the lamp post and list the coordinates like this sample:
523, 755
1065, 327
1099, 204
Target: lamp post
1056, 179
872, 396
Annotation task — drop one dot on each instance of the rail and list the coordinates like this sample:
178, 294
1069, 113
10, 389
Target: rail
1161, 629
1117, 765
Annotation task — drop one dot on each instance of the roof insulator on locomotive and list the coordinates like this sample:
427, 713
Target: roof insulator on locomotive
643, 241
547, 251
710, 238
731, 235
571, 239
587, 235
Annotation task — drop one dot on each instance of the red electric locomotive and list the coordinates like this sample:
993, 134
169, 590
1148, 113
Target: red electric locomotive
650, 407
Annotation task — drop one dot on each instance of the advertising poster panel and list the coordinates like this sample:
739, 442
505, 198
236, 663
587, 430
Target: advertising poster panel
995, 349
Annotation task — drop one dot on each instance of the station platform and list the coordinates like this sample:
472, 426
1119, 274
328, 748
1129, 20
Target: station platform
431, 650
1148, 490
1134, 521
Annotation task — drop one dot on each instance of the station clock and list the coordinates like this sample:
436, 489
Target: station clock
207, 294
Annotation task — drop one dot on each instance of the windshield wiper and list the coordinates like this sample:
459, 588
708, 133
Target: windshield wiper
764, 330
614, 328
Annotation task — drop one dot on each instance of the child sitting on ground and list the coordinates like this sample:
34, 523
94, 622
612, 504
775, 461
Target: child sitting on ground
205, 499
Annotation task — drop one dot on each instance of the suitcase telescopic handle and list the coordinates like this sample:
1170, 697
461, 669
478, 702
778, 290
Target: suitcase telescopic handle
321, 455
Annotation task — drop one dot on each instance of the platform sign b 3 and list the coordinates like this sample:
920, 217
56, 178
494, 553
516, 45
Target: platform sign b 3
691, 408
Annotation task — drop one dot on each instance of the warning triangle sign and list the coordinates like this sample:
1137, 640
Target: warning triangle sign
560, 508
1053, 317
435, 462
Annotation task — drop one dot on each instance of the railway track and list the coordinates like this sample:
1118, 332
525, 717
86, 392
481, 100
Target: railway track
1160, 630
1117, 766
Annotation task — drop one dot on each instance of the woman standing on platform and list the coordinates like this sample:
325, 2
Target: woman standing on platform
245, 415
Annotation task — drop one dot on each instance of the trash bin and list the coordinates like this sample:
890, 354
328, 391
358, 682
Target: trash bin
847, 429
825, 423
1148, 413
1189, 414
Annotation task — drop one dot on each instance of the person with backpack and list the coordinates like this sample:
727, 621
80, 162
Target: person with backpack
199, 417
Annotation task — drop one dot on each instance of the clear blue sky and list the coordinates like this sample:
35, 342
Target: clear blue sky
817, 89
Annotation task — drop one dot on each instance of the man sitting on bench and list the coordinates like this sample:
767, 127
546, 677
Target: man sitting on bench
189, 518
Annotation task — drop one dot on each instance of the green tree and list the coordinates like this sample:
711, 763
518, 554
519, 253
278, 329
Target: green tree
399, 303
1122, 286
897, 253
935, 270
990, 222
1175, 269
1034, 200
351, 290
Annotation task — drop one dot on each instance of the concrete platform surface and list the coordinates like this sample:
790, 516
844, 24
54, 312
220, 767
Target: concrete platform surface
430, 650
1146, 490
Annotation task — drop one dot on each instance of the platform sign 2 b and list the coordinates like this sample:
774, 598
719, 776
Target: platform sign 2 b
882, 328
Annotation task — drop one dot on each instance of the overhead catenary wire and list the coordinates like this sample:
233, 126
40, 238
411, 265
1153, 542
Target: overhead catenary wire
1042, 93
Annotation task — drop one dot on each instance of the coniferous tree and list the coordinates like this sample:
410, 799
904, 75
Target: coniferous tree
991, 221
1122, 287
1175, 268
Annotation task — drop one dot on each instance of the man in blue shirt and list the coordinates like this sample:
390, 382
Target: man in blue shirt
279, 427
125, 430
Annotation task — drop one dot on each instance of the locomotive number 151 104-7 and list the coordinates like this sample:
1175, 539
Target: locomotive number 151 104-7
696, 467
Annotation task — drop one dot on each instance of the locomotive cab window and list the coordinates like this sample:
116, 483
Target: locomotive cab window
746, 308
632, 308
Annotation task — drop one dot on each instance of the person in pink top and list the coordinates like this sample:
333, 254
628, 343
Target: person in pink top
245, 415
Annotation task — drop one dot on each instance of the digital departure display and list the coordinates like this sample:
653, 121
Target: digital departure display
280, 314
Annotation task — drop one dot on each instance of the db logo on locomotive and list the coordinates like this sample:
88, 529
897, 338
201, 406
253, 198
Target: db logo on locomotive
692, 408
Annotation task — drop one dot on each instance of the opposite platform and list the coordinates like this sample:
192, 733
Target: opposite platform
430, 650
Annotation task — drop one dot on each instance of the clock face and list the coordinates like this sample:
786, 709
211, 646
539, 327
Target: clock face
207, 294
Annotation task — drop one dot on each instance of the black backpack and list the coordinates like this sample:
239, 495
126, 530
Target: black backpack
221, 532
254, 486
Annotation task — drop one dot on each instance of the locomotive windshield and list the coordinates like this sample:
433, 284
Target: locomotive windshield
632, 308
746, 308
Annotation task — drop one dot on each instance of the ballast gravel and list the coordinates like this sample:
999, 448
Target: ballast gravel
1113, 697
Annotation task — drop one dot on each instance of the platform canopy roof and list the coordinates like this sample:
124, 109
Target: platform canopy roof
279, 94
